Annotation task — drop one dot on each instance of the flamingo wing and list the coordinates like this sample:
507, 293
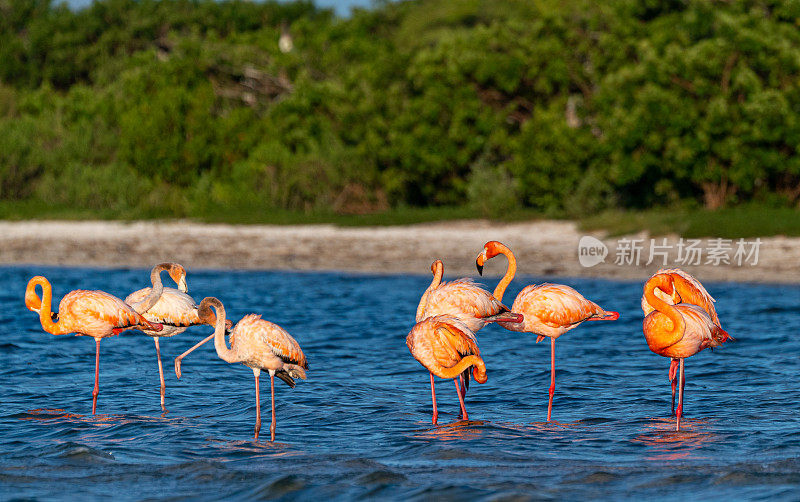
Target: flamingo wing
87, 311
555, 305
174, 307
691, 291
456, 334
463, 297
279, 342
441, 342
686, 289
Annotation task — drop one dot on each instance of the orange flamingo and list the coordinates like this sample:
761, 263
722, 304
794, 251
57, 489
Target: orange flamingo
691, 291
465, 300
446, 347
85, 313
258, 344
549, 310
172, 308
680, 321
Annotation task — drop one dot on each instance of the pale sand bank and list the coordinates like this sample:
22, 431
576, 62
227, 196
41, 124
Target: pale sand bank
543, 248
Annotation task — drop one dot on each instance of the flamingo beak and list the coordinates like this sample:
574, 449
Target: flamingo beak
479, 261
182, 287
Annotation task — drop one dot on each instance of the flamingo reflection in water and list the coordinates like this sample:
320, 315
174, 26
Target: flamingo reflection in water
680, 321
669, 445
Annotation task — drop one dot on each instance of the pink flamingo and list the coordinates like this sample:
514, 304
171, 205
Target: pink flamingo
680, 321
173, 308
465, 300
258, 344
446, 347
85, 313
549, 310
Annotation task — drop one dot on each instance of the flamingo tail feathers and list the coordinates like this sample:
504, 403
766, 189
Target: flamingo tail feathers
722, 336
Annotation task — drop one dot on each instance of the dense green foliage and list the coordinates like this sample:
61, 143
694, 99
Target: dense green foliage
567, 107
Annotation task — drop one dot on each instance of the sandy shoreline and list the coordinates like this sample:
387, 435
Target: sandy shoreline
543, 248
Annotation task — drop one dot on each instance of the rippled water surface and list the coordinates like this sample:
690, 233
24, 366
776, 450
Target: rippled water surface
359, 427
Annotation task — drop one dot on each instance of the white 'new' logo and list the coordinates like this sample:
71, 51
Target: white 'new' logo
591, 251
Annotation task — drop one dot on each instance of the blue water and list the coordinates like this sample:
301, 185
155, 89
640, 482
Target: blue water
359, 427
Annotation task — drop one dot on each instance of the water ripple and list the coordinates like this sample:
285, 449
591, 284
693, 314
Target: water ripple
359, 427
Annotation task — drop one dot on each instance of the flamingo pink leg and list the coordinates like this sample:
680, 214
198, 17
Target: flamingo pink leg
673, 367
679, 410
160, 374
180, 357
461, 400
433, 397
258, 410
461, 383
272, 393
96, 390
552, 377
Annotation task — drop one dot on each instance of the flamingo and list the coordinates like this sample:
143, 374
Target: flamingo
692, 292
549, 310
680, 321
258, 344
465, 300
446, 347
173, 308
85, 313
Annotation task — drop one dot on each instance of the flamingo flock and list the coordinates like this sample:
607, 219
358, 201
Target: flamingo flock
680, 321
162, 312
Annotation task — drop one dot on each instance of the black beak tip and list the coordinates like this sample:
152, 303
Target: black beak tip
480, 269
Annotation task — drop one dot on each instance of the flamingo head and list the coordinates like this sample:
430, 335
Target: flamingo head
178, 274
666, 285
479, 373
490, 250
32, 300
208, 316
437, 267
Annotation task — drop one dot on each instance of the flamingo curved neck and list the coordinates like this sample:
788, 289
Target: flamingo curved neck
45, 309
224, 353
438, 273
155, 292
500, 290
675, 334
462, 365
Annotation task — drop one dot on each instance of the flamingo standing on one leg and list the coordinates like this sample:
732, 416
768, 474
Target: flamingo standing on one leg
85, 313
549, 310
446, 347
171, 307
686, 289
679, 329
258, 344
